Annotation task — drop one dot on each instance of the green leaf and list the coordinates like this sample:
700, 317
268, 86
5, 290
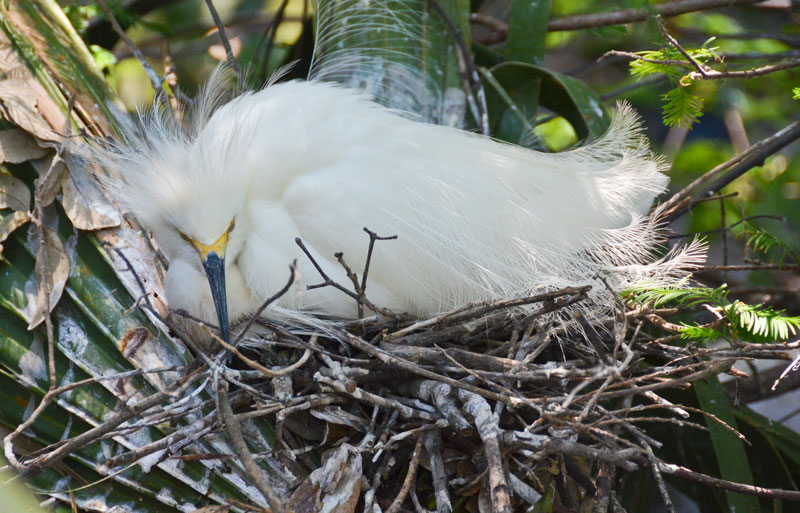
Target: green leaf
762, 322
688, 296
513, 93
681, 108
759, 240
669, 61
527, 28
784, 441
102, 57
705, 334
728, 448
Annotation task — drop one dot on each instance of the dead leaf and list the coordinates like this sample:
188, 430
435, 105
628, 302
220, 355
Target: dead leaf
10, 65
83, 201
334, 487
51, 170
11, 222
17, 146
26, 105
52, 268
14, 194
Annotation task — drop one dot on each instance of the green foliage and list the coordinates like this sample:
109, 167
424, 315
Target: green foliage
102, 57
669, 61
757, 323
705, 333
763, 321
729, 449
760, 241
796, 93
81, 15
689, 296
680, 107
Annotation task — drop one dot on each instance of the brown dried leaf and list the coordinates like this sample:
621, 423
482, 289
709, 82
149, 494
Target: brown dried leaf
14, 194
52, 269
83, 201
12, 222
27, 105
10, 64
17, 146
334, 487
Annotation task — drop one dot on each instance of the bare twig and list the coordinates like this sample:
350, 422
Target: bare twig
155, 80
234, 65
394, 507
234, 433
706, 480
265, 304
668, 9
50, 458
726, 172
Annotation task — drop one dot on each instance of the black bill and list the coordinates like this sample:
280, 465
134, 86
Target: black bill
215, 272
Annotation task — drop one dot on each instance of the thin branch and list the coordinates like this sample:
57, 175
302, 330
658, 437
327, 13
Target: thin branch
636, 57
669, 9
749, 267
711, 74
662, 485
234, 65
706, 480
155, 80
373, 237
705, 73
233, 431
44, 462
265, 304
410, 477
728, 171
272, 30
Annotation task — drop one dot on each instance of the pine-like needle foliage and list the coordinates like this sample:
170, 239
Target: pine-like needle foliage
680, 107
741, 320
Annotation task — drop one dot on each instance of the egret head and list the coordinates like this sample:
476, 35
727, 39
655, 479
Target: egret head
190, 190
212, 257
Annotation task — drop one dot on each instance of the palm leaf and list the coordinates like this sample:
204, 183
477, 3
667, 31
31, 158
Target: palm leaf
95, 316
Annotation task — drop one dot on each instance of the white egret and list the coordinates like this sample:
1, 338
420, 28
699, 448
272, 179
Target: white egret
476, 219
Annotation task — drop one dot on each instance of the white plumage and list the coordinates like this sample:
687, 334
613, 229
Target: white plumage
476, 219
